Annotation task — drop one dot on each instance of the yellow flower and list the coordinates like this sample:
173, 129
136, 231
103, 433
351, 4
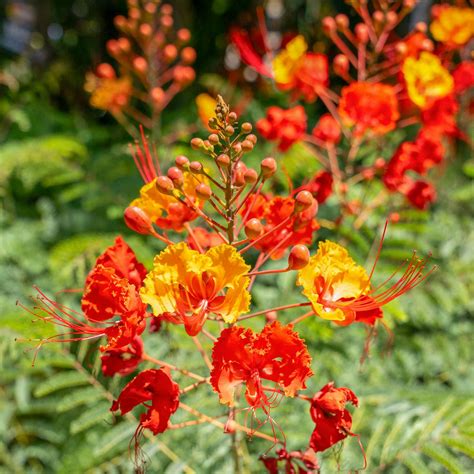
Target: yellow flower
287, 61
185, 285
453, 25
110, 94
331, 277
426, 79
206, 106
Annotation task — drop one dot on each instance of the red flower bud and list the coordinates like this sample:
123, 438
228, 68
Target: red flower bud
223, 159
362, 33
124, 45
253, 229
197, 143
252, 138
181, 162
183, 35
329, 25
268, 167
342, 21
195, 167
188, 55
214, 138
176, 175
341, 65
203, 191
157, 95
247, 145
170, 52
146, 30
298, 257
137, 220
166, 21
140, 65
105, 71
303, 200
232, 117
250, 176
184, 75
164, 184
246, 127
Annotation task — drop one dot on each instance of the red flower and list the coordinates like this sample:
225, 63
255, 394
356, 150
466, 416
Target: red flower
277, 354
463, 77
327, 130
154, 386
371, 107
122, 361
320, 186
421, 194
440, 116
202, 240
283, 126
272, 211
290, 462
333, 421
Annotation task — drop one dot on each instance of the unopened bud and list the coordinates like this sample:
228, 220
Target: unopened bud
166, 21
229, 130
113, 47
164, 184
197, 143
140, 65
250, 176
181, 162
303, 200
223, 159
329, 25
146, 30
176, 175
105, 71
247, 145
421, 27
270, 317
252, 138
157, 95
379, 164
253, 229
166, 9
341, 65
188, 55
170, 52
401, 48
237, 147
232, 117
120, 22
268, 167
203, 191
298, 257
230, 426
213, 138
427, 45
392, 18
184, 75
342, 21
362, 33
137, 220
183, 35
124, 45
195, 167
246, 127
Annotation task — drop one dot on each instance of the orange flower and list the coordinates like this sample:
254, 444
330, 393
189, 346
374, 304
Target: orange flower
185, 286
276, 354
108, 93
283, 126
339, 289
327, 130
452, 25
369, 107
206, 106
426, 79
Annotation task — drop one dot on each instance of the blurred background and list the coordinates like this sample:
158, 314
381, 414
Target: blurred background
65, 177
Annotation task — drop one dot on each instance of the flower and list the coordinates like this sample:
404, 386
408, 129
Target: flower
339, 289
185, 286
327, 130
310, 76
202, 240
426, 79
333, 420
440, 116
290, 462
283, 126
287, 61
320, 186
272, 211
453, 26
371, 107
124, 360
206, 106
276, 354
421, 194
108, 93
463, 76
157, 387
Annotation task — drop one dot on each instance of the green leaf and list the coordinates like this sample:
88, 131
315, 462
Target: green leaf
84, 396
60, 381
90, 417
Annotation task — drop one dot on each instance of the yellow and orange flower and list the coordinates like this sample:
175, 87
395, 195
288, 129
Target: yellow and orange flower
453, 26
110, 94
185, 286
167, 211
426, 79
206, 108
331, 277
369, 107
287, 61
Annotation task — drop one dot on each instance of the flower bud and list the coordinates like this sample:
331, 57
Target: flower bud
253, 229
203, 191
195, 167
105, 71
213, 138
188, 55
223, 159
250, 176
164, 185
183, 35
378, 16
341, 65
113, 47
184, 75
170, 52
157, 95
362, 33
252, 138
298, 257
232, 117
120, 22
342, 21
124, 45
140, 65
167, 9
137, 220
427, 45
401, 48
303, 200
181, 162
394, 217
368, 173
176, 175
268, 167
230, 426
237, 148
229, 130
270, 317
329, 25
246, 127
379, 164
421, 27
146, 30
392, 18
150, 8
166, 21
197, 143
247, 145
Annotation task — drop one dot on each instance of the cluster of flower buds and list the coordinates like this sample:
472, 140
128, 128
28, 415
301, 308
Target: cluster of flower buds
413, 84
154, 63
203, 282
